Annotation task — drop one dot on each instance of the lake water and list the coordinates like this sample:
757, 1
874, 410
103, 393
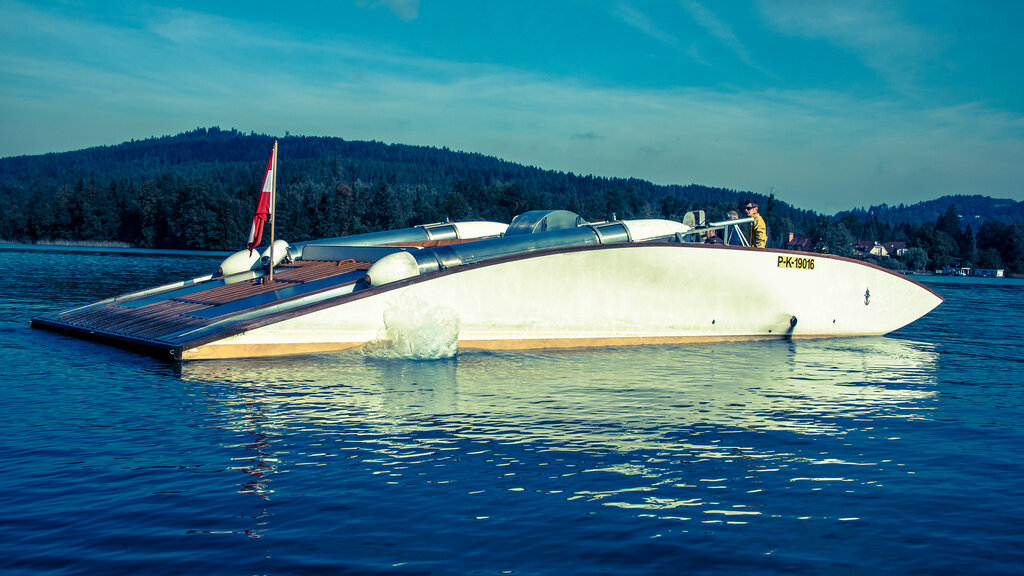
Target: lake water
894, 455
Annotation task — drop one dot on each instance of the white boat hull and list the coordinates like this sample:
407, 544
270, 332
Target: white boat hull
614, 294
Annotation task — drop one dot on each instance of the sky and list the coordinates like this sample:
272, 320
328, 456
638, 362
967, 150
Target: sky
828, 105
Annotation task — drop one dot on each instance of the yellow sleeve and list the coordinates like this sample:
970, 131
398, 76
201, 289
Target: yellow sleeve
759, 234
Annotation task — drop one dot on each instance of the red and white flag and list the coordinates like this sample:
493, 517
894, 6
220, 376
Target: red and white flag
263, 205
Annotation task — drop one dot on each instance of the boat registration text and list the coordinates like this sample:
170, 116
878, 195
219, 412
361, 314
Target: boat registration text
796, 262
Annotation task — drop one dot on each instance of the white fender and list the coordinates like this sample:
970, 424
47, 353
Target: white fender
240, 261
243, 261
392, 268
280, 251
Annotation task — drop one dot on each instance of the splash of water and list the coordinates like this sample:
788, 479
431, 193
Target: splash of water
416, 330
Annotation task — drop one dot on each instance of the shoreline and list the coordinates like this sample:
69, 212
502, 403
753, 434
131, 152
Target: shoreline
106, 248
119, 247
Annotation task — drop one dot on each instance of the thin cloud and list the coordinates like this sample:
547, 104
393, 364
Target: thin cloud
640, 21
874, 31
719, 30
406, 10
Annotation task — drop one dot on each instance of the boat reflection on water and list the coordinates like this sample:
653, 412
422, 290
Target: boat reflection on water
787, 385
704, 427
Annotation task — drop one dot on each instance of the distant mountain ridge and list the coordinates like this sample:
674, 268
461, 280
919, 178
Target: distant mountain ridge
369, 161
197, 190
972, 209
372, 161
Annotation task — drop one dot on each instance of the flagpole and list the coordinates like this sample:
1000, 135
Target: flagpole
273, 203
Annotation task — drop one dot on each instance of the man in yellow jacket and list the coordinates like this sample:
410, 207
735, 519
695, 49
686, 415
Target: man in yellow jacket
758, 229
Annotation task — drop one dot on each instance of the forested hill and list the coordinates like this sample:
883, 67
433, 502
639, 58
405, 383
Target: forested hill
973, 210
198, 190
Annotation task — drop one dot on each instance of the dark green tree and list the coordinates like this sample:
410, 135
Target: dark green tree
832, 237
990, 259
455, 207
940, 246
916, 259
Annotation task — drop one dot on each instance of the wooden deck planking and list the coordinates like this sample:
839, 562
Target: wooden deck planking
165, 319
294, 274
128, 321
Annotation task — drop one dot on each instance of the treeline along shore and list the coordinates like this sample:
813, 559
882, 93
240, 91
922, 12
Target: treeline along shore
197, 190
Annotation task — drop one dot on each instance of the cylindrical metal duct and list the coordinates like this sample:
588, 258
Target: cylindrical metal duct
403, 265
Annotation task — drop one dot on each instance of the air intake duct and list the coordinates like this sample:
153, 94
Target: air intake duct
402, 265
440, 231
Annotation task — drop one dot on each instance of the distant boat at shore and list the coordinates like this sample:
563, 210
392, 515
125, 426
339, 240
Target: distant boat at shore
968, 271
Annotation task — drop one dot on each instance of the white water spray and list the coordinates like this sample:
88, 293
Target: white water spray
416, 330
